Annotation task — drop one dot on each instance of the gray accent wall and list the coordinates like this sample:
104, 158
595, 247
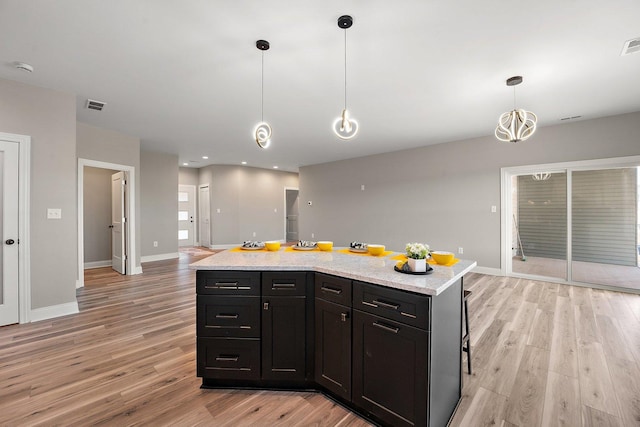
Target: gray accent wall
97, 214
442, 194
49, 117
159, 203
188, 176
250, 200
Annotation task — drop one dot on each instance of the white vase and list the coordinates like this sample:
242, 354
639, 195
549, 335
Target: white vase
417, 265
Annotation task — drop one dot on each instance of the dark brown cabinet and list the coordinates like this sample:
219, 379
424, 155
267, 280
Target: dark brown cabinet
389, 369
333, 334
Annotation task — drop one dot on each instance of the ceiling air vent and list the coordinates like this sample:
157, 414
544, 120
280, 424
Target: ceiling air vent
631, 46
95, 105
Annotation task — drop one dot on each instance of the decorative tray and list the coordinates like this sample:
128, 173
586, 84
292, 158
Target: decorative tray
304, 248
422, 273
358, 250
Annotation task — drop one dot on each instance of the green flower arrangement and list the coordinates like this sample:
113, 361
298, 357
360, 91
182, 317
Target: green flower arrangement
417, 250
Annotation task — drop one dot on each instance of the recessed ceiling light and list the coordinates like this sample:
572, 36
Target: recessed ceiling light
24, 66
185, 164
205, 157
631, 46
244, 163
275, 167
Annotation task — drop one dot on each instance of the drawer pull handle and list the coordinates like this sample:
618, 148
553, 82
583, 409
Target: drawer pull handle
227, 285
226, 316
386, 304
227, 358
331, 290
344, 316
386, 328
283, 285
265, 306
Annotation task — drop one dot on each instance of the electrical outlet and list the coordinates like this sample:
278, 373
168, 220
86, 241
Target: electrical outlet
275, 210
155, 243
313, 235
254, 234
218, 210
460, 250
494, 209
362, 187
54, 213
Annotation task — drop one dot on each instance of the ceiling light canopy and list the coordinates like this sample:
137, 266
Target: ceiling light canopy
516, 125
262, 132
344, 126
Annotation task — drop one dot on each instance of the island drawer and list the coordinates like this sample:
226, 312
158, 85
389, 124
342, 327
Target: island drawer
222, 282
226, 358
284, 283
333, 289
408, 308
224, 316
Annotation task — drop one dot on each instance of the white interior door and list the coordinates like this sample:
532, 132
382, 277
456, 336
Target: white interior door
186, 214
291, 212
9, 233
204, 214
118, 256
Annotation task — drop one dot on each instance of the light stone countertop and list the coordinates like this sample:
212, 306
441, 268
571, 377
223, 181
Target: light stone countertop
378, 270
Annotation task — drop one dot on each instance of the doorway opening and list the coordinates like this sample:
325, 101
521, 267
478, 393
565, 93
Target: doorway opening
576, 223
291, 213
127, 242
204, 216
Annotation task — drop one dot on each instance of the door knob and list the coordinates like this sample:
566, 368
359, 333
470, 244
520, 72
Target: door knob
9, 241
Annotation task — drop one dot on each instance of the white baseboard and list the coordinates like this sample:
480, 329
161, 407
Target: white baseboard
137, 270
159, 257
52, 311
489, 271
97, 264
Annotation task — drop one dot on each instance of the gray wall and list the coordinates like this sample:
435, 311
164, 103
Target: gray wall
97, 214
104, 145
442, 194
250, 200
49, 117
188, 176
159, 202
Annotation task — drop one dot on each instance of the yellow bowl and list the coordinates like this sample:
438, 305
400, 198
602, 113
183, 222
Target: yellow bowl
442, 257
325, 245
375, 249
273, 245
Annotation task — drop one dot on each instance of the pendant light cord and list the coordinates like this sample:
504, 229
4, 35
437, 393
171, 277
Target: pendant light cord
345, 68
262, 91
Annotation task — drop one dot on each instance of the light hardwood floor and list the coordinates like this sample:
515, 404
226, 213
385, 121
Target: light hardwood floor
543, 355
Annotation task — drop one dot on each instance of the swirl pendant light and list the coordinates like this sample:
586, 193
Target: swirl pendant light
516, 125
262, 132
344, 126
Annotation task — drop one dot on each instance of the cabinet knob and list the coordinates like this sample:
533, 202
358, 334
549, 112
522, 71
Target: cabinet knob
265, 306
344, 316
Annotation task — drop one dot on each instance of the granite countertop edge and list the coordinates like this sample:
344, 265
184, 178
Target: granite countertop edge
376, 270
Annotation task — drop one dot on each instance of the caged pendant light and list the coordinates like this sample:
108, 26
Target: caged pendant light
344, 126
262, 132
516, 125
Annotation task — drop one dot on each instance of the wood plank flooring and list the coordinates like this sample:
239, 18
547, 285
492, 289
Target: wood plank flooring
543, 355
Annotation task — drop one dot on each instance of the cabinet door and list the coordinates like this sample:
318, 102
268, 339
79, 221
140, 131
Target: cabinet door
333, 347
390, 369
283, 338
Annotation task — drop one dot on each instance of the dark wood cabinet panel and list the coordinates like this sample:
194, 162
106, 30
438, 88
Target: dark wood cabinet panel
333, 288
222, 282
283, 338
224, 316
333, 347
228, 359
284, 283
390, 369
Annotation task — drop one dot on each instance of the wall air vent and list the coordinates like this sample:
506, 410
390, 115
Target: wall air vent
95, 105
631, 46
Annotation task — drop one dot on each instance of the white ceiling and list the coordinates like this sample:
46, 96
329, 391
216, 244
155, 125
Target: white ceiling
184, 76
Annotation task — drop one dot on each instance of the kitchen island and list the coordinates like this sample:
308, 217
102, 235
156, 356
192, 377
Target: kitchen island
383, 343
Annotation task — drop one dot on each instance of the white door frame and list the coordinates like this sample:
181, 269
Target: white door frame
24, 249
200, 217
131, 267
285, 210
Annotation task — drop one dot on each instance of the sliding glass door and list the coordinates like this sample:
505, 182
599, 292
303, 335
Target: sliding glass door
575, 223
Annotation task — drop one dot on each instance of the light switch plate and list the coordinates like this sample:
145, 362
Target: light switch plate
54, 213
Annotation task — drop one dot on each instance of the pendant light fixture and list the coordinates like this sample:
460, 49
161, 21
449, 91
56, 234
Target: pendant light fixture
262, 132
344, 126
516, 125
